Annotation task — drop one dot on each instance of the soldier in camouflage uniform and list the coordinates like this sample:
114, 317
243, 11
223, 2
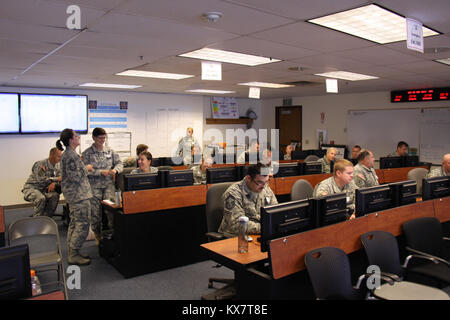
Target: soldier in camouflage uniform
442, 171
341, 181
245, 198
364, 173
199, 171
327, 158
402, 150
77, 192
144, 162
106, 163
42, 187
132, 161
186, 146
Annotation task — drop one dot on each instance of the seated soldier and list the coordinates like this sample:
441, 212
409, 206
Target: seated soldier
43, 185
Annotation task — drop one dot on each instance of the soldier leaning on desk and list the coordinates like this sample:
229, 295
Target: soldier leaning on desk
442, 171
245, 198
42, 187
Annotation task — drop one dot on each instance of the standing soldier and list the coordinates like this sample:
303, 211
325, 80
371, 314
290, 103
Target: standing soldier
77, 192
105, 163
42, 187
186, 145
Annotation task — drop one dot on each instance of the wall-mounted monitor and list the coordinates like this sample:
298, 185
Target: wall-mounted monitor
46, 113
284, 219
9, 113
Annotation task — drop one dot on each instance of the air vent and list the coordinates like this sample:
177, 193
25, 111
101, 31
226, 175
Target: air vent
304, 83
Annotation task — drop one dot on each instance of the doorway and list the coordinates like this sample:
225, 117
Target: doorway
289, 123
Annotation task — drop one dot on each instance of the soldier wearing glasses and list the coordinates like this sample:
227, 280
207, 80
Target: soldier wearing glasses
245, 198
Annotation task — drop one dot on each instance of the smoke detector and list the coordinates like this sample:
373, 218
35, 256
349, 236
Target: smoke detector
212, 16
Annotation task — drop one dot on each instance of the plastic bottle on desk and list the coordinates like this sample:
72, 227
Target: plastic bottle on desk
35, 283
242, 237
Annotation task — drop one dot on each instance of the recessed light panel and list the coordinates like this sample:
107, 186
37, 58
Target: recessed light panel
110, 85
346, 75
210, 91
152, 74
228, 57
370, 22
446, 61
266, 85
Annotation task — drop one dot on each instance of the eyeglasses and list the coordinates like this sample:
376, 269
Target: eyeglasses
260, 183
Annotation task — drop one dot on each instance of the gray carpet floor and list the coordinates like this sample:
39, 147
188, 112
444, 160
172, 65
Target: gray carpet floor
101, 281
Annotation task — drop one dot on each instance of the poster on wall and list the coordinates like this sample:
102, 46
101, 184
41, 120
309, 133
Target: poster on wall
108, 115
321, 135
224, 108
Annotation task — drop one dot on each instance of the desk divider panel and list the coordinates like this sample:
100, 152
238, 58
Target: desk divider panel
163, 199
380, 175
2, 220
442, 209
283, 185
398, 174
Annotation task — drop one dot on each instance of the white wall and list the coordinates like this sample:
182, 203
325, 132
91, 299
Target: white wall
19, 152
335, 107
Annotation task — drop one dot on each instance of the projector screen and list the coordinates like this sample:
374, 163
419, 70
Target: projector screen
40, 113
9, 113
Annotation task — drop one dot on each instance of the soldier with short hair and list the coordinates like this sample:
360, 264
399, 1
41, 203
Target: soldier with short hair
144, 164
246, 198
402, 150
105, 164
327, 158
132, 161
199, 171
442, 171
77, 192
364, 173
42, 187
186, 146
341, 181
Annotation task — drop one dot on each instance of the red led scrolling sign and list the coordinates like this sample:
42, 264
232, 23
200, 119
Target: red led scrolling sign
431, 94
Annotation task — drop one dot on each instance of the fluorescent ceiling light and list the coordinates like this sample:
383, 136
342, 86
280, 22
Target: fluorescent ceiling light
370, 22
110, 85
446, 61
210, 91
152, 74
228, 57
266, 85
346, 75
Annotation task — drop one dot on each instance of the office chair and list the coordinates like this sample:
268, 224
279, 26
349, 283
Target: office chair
425, 240
418, 174
301, 189
15, 279
311, 158
42, 236
214, 214
329, 271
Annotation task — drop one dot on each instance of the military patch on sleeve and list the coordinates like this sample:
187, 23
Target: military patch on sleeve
230, 202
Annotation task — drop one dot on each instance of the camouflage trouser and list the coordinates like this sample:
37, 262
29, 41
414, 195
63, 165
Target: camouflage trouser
79, 223
107, 193
45, 203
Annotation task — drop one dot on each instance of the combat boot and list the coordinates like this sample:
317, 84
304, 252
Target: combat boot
74, 257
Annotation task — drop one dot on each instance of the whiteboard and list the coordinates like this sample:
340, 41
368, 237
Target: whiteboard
434, 134
381, 130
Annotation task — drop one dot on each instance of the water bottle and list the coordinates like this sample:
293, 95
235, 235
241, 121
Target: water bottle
118, 199
242, 237
35, 283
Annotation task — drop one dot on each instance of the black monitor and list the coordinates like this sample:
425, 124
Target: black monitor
312, 167
330, 209
354, 161
391, 162
223, 174
410, 161
252, 157
140, 181
372, 199
299, 155
156, 162
289, 169
15, 279
403, 192
172, 161
320, 153
284, 219
224, 158
436, 187
178, 178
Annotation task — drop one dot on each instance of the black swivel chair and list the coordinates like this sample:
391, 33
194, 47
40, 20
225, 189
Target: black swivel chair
301, 189
329, 271
425, 240
214, 214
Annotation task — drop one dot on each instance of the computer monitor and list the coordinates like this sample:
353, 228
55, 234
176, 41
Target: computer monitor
330, 209
223, 174
354, 161
172, 161
141, 181
252, 157
436, 187
391, 162
156, 162
286, 169
224, 158
284, 219
299, 155
313, 167
403, 192
410, 161
15, 279
319, 153
178, 178
372, 199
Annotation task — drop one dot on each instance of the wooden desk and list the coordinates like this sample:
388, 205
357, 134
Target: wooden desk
442, 209
398, 174
283, 185
56, 295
